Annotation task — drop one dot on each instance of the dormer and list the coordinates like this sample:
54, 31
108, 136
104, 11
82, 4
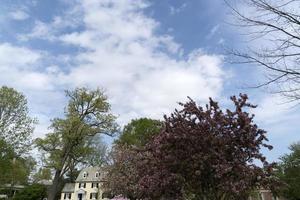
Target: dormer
85, 174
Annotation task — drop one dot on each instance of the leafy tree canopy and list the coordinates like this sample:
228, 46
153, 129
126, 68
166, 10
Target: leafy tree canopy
16, 126
42, 174
32, 192
87, 114
139, 131
6, 156
289, 172
99, 154
13, 168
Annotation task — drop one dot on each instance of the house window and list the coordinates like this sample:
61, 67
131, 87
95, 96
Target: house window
67, 195
93, 195
85, 174
95, 185
82, 185
97, 174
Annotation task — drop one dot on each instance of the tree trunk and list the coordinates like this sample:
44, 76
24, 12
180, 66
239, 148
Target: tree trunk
54, 189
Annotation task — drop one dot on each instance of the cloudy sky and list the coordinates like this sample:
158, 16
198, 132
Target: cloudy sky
147, 55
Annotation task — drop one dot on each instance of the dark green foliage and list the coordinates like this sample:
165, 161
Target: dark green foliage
32, 192
139, 131
6, 156
14, 169
289, 173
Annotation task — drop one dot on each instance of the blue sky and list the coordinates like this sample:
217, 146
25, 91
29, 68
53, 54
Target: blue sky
148, 55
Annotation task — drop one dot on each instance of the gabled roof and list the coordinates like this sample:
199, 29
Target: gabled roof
68, 188
90, 175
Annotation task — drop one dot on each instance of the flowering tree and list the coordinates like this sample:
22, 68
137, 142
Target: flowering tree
122, 176
205, 153
119, 198
202, 153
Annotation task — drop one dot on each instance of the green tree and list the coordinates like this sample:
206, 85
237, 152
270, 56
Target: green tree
99, 152
87, 114
289, 172
16, 126
122, 173
42, 174
139, 131
71, 175
6, 157
32, 192
21, 169
13, 168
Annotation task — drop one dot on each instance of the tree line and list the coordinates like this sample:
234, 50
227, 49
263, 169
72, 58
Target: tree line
197, 152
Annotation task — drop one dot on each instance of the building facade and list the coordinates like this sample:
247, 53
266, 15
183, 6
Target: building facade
263, 194
88, 186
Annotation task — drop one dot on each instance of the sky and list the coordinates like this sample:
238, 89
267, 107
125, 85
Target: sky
147, 55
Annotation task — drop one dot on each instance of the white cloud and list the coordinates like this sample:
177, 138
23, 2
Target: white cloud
271, 110
280, 120
19, 15
174, 11
20, 69
71, 18
41, 30
144, 73
25, 56
126, 56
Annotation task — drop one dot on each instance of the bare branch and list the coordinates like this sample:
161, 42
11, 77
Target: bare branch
277, 23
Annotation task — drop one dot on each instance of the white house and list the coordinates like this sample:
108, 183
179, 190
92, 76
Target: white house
88, 186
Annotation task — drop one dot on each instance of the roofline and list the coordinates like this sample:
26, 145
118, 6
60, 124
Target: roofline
89, 181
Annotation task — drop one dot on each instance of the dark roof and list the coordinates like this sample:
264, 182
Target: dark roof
69, 187
91, 175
